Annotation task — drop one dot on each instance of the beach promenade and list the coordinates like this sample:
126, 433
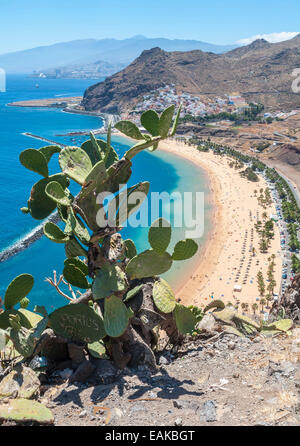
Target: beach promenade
231, 259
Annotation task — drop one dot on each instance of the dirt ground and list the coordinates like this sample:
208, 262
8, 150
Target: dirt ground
228, 381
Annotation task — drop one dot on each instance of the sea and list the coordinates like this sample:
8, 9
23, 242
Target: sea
164, 171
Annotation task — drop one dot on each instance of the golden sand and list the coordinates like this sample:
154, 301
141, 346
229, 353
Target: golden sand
227, 259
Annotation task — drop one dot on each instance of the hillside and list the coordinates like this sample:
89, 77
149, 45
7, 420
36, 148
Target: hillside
261, 72
88, 51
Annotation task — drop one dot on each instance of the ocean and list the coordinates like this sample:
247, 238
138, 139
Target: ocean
165, 172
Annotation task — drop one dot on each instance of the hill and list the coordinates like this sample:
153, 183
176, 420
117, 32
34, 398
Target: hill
261, 72
89, 51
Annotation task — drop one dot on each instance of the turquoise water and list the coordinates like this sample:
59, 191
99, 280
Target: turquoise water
165, 173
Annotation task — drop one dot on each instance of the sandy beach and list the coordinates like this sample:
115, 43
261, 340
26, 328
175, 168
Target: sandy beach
227, 259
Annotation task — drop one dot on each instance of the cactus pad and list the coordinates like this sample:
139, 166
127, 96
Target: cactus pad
160, 235
34, 160
18, 289
77, 322
23, 410
74, 226
129, 129
163, 296
78, 263
74, 249
56, 193
75, 163
75, 276
130, 249
109, 279
165, 121
97, 350
148, 263
116, 316
54, 233
49, 151
39, 204
185, 320
150, 121
185, 249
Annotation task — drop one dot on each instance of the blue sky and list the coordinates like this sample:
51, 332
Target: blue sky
29, 23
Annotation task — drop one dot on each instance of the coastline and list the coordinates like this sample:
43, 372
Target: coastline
211, 276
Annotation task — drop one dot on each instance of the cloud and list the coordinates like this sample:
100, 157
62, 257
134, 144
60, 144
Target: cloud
272, 38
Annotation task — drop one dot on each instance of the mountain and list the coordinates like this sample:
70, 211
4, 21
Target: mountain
89, 51
261, 72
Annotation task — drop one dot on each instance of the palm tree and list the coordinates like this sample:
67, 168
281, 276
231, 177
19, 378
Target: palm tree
262, 303
254, 308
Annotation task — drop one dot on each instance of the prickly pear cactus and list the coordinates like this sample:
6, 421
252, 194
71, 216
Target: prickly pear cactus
163, 296
160, 235
122, 299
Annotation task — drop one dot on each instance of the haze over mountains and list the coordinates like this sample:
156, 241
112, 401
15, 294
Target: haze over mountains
261, 72
89, 51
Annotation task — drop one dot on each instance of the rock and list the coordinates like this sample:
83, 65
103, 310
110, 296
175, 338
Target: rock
76, 354
289, 301
83, 414
65, 374
106, 372
208, 323
54, 347
83, 372
178, 422
186, 404
163, 360
23, 410
208, 411
22, 382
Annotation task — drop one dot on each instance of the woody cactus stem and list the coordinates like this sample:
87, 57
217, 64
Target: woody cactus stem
123, 301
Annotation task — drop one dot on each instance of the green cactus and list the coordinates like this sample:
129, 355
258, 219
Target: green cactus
35, 160
114, 266
124, 212
39, 204
133, 292
185, 319
75, 163
74, 249
24, 339
56, 193
129, 129
24, 410
130, 249
148, 263
54, 233
78, 322
17, 290
109, 280
75, 276
185, 249
160, 235
163, 296
165, 121
97, 350
116, 316
74, 226
150, 121
24, 302
78, 263
49, 151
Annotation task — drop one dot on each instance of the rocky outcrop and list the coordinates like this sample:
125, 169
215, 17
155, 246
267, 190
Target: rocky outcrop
289, 304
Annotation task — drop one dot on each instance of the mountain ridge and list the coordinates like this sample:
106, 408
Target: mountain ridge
86, 51
261, 72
